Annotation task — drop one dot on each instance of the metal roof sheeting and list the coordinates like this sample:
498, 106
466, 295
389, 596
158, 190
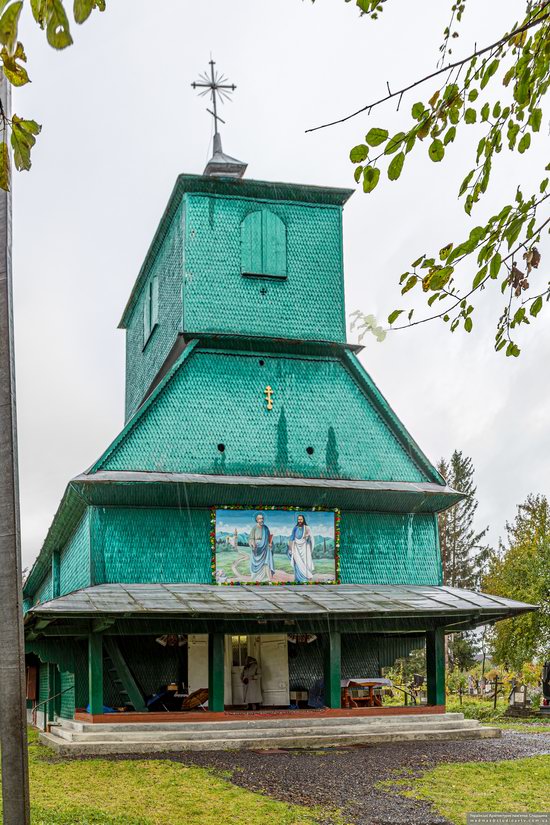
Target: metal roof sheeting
277, 601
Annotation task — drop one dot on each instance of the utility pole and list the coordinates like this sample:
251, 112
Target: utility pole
13, 725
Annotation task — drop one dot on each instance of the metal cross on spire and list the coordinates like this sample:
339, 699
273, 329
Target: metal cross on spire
216, 86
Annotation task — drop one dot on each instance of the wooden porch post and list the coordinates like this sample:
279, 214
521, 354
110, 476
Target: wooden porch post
95, 672
332, 669
216, 687
435, 665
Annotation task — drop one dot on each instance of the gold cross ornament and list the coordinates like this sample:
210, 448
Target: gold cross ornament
269, 397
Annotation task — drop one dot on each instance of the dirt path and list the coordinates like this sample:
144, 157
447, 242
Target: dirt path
242, 557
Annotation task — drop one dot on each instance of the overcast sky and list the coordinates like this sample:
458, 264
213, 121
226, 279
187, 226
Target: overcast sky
121, 121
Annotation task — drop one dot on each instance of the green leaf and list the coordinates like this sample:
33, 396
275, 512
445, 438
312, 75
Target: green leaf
494, 267
451, 91
412, 281
394, 143
57, 29
83, 9
376, 136
473, 95
512, 349
524, 143
396, 166
479, 277
39, 10
411, 140
440, 277
536, 119
8, 25
359, 153
418, 261
521, 89
465, 182
393, 316
436, 150
536, 306
16, 74
468, 324
450, 135
417, 111
23, 138
470, 115
4, 167
489, 72
371, 175
357, 173
454, 115
445, 251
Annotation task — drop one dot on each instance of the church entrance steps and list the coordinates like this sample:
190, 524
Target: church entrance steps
66, 739
250, 733
289, 720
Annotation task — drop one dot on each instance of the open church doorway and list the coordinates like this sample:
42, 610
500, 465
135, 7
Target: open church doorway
271, 654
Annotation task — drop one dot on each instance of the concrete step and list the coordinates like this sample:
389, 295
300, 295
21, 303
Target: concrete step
266, 722
303, 741
144, 732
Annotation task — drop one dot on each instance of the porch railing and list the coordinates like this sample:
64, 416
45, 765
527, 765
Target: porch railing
45, 702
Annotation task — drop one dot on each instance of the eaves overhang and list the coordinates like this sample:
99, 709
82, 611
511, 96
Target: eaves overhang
448, 606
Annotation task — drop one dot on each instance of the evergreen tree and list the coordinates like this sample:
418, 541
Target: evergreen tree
462, 555
520, 570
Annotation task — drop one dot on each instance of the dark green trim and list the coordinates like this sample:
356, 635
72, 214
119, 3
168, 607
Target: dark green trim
435, 666
332, 667
216, 682
95, 672
125, 674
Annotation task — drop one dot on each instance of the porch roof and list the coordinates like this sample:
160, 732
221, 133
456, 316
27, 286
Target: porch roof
277, 602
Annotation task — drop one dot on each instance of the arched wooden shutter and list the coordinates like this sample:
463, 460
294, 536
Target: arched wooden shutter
251, 243
274, 244
263, 244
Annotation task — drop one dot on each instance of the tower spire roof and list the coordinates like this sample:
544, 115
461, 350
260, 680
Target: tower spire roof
218, 88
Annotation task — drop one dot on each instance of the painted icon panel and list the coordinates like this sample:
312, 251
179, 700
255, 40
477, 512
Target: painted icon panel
274, 546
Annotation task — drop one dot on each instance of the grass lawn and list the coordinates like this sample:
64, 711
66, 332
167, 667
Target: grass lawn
98, 792
516, 786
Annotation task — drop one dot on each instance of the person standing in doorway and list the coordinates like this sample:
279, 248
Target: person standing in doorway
251, 679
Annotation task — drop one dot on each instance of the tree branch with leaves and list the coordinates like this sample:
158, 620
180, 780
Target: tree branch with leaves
52, 17
505, 250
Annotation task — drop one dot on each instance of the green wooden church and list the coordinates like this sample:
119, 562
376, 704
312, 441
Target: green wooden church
262, 499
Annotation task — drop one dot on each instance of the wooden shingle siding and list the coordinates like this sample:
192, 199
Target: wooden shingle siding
75, 558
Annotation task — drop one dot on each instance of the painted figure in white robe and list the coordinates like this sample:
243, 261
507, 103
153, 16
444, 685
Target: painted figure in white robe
251, 679
300, 551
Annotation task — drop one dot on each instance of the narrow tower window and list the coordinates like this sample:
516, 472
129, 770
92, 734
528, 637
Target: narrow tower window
150, 308
263, 245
